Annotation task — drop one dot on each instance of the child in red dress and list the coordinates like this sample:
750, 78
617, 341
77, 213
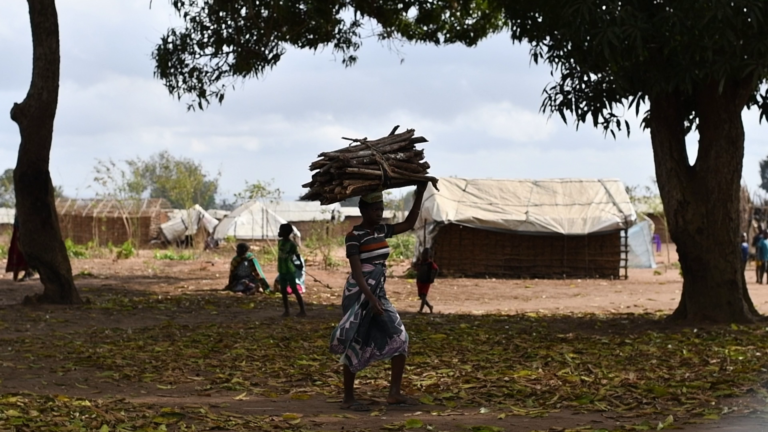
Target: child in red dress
426, 271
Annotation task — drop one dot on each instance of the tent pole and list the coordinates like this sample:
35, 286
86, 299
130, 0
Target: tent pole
587, 253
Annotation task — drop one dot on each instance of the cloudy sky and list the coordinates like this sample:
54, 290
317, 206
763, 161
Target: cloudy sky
478, 107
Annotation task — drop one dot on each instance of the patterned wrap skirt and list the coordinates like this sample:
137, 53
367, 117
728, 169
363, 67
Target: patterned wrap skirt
362, 337
16, 261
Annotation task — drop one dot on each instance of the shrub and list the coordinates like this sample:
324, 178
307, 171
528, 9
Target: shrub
402, 246
321, 241
76, 251
126, 250
172, 256
3, 252
266, 254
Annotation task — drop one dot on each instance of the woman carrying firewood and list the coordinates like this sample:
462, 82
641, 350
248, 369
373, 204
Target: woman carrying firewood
371, 329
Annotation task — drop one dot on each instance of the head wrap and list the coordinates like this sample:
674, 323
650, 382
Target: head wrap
372, 198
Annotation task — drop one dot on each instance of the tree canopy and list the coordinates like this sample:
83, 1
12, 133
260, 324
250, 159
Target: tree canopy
7, 195
606, 56
223, 41
691, 63
182, 181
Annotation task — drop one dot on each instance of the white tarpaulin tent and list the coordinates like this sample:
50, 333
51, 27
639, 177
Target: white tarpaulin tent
250, 221
640, 246
186, 223
305, 211
7, 215
556, 206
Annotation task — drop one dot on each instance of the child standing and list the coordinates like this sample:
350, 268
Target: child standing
286, 269
762, 257
426, 271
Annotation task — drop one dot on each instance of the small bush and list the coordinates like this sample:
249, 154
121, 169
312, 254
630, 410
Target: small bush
3, 252
402, 246
410, 273
76, 251
329, 262
126, 250
320, 242
266, 255
171, 256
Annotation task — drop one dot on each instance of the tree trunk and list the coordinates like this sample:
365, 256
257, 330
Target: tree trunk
701, 201
40, 233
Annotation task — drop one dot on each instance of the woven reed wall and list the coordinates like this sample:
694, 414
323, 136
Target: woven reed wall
101, 221
471, 252
105, 229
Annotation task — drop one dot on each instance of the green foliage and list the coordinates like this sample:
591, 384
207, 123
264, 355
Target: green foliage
3, 251
261, 190
402, 246
764, 174
174, 256
117, 183
78, 251
126, 250
410, 273
122, 186
266, 254
7, 193
180, 180
606, 58
223, 41
320, 242
610, 58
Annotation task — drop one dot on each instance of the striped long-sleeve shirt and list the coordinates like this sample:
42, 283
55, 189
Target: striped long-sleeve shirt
370, 245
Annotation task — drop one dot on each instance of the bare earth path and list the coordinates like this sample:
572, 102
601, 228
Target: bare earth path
142, 299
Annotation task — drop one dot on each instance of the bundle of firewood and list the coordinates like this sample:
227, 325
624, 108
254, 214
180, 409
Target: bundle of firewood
368, 166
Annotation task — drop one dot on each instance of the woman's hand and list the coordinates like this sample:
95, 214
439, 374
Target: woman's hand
413, 215
376, 307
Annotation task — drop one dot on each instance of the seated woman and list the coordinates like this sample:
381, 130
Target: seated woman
245, 274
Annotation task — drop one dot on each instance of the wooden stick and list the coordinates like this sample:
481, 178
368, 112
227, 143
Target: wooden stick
403, 136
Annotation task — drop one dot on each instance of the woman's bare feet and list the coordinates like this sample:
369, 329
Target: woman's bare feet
402, 400
301, 314
354, 405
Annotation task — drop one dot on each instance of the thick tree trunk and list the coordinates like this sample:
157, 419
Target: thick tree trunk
40, 232
701, 201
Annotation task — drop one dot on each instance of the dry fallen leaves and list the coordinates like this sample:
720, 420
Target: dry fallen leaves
512, 365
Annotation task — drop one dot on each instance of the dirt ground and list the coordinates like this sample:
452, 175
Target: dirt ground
645, 291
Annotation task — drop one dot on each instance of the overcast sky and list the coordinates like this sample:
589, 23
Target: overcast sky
478, 107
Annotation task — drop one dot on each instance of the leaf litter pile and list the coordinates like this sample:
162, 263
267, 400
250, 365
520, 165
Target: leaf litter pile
519, 365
